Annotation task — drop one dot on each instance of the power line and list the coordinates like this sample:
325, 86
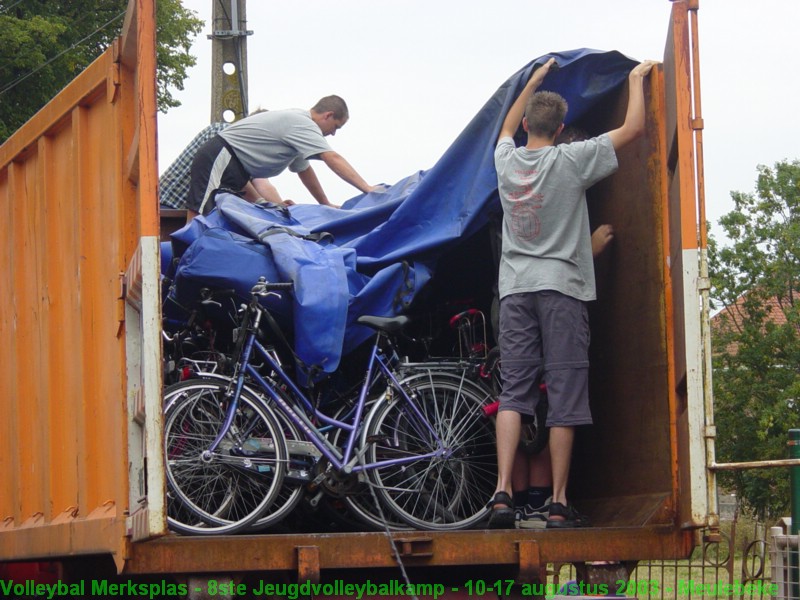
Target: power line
22, 78
13, 5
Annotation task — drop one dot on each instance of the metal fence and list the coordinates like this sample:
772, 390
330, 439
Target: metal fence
729, 563
733, 563
785, 568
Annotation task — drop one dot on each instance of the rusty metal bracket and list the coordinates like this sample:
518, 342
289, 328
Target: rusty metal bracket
308, 564
414, 547
712, 536
113, 83
531, 567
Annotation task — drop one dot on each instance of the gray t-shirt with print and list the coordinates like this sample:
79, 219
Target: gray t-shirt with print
546, 236
268, 142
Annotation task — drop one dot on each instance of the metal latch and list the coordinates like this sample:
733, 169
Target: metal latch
415, 547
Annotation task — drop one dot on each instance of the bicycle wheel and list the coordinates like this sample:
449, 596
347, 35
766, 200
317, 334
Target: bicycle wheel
490, 371
446, 491
362, 503
295, 478
229, 489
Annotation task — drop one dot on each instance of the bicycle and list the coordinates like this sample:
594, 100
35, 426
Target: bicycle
191, 336
425, 447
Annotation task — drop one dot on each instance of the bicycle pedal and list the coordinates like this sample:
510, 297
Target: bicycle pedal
297, 476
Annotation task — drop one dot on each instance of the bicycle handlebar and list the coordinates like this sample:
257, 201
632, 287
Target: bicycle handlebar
263, 287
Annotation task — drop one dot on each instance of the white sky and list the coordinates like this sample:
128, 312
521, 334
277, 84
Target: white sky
415, 72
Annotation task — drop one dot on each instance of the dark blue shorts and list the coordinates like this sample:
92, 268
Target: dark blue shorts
544, 336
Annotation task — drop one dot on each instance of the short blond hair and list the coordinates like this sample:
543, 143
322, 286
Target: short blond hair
545, 113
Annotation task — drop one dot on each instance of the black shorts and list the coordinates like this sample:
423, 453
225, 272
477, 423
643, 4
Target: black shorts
214, 166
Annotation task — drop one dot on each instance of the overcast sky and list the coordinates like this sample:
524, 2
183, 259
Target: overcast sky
415, 72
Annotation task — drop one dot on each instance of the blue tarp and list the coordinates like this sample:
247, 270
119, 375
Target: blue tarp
381, 249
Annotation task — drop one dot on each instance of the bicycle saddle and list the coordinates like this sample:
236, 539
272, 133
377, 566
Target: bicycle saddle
387, 324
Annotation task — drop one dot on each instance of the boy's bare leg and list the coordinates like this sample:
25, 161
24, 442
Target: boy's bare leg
561, 440
507, 426
521, 472
540, 472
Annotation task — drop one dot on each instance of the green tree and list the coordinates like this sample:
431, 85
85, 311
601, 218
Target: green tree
756, 334
46, 43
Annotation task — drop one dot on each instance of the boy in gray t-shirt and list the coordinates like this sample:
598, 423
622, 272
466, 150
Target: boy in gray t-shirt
546, 276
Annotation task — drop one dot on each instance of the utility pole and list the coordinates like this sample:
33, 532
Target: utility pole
229, 60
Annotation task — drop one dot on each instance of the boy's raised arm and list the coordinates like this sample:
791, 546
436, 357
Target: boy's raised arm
517, 110
633, 126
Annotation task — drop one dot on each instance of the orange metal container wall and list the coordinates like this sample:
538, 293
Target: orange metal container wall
71, 209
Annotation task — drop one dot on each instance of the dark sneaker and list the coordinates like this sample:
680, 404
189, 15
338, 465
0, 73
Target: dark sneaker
571, 517
529, 517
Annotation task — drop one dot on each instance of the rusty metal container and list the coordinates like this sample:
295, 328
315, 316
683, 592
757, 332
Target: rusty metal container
80, 383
